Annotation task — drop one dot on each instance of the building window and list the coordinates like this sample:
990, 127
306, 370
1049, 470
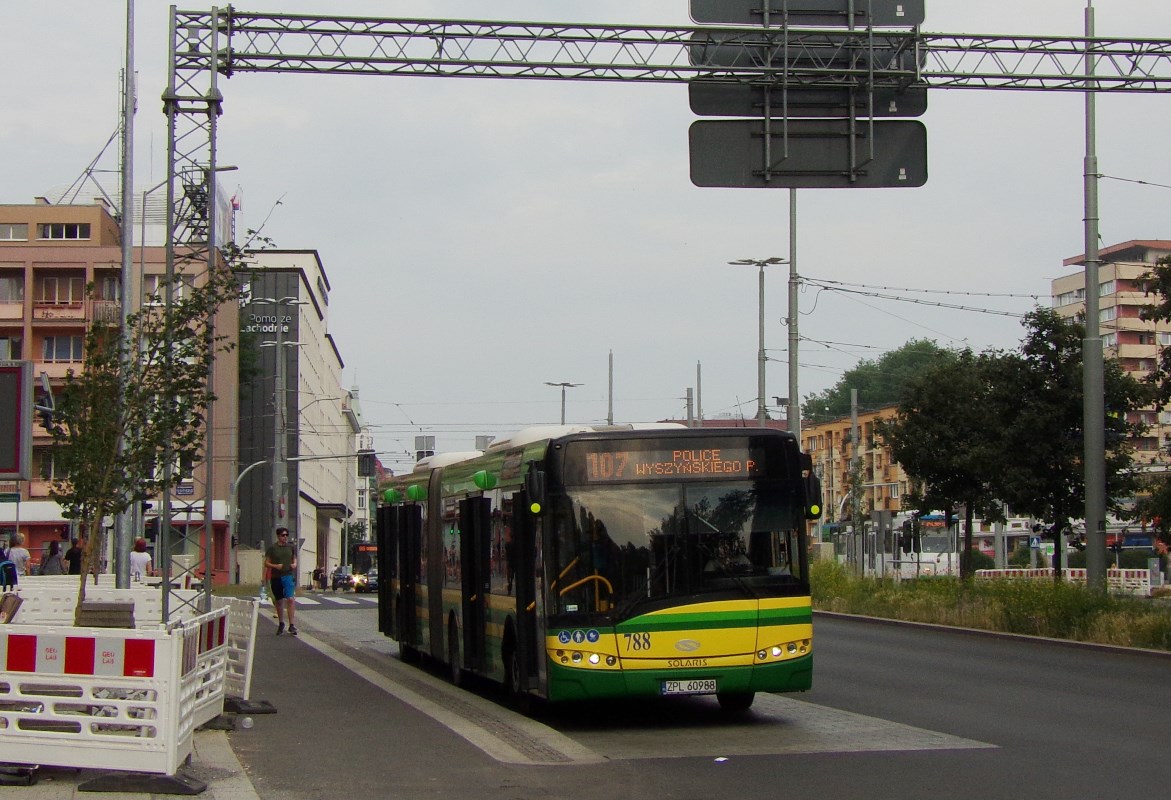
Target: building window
12, 288
9, 348
1109, 340
13, 231
109, 287
152, 289
1108, 314
361, 499
65, 230
1106, 288
60, 290
45, 468
1164, 338
894, 491
63, 349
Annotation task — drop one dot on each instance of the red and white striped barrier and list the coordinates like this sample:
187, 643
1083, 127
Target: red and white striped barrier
110, 698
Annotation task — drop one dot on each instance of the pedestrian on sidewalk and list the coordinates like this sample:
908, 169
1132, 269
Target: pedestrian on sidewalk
54, 563
281, 560
73, 557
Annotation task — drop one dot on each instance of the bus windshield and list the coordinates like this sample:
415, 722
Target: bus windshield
616, 548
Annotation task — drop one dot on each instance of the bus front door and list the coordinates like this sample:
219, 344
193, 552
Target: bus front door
475, 523
387, 536
410, 540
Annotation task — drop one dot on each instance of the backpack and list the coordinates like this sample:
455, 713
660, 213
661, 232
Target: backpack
8, 577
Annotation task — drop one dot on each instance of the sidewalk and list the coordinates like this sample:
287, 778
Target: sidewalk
213, 763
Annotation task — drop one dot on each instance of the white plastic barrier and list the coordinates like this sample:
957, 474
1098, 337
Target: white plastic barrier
109, 698
49, 602
1120, 581
242, 616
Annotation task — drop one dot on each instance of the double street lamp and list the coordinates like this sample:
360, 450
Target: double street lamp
564, 385
761, 358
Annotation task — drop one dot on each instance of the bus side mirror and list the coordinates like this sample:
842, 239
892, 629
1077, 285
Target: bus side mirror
812, 485
535, 488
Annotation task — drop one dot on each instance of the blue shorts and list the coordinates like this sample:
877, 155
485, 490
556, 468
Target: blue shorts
283, 586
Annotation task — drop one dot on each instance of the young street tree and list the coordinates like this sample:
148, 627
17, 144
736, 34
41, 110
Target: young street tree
940, 436
1036, 403
115, 420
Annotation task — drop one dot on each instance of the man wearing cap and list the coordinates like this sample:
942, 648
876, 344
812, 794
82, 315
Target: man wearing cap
281, 559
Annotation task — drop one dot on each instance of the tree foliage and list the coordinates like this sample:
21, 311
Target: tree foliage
1009, 427
940, 436
1038, 398
879, 382
139, 396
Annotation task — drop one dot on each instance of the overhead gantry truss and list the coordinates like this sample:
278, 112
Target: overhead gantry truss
255, 42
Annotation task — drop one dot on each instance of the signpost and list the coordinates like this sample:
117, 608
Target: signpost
794, 133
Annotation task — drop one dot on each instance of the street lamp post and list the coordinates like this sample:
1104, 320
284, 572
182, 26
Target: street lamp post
280, 476
564, 385
761, 358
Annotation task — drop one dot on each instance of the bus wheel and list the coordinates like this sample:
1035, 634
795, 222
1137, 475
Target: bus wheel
735, 701
457, 673
518, 695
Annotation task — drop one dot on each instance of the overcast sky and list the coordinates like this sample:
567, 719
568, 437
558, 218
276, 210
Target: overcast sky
484, 237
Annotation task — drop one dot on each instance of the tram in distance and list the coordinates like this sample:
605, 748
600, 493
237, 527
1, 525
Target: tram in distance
575, 562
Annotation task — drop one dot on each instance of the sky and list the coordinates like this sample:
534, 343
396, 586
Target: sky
485, 237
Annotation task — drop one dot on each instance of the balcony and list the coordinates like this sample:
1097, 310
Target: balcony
12, 311
59, 312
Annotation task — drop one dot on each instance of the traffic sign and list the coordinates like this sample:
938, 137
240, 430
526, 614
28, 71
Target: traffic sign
822, 154
818, 13
1034, 542
711, 99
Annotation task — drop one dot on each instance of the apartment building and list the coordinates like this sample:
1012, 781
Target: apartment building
1126, 337
48, 255
832, 446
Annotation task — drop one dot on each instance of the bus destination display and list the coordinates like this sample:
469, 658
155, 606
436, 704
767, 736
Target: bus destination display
602, 466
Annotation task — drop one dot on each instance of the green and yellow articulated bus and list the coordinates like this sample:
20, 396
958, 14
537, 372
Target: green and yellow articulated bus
573, 563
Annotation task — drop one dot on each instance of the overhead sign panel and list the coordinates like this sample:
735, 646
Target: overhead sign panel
16, 411
813, 13
808, 154
835, 55
710, 99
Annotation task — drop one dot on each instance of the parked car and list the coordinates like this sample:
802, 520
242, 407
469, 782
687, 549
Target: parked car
367, 582
343, 578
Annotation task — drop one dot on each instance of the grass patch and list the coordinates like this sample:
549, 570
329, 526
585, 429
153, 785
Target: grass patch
1035, 608
236, 590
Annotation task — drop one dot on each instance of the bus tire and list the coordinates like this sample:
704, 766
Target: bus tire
734, 702
456, 672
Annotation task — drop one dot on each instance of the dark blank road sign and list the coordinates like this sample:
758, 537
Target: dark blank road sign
833, 56
816, 13
16, 408
731, 153
709, 99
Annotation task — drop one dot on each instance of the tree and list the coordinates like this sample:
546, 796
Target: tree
1036, 399
881, 382
139, 397
940, 436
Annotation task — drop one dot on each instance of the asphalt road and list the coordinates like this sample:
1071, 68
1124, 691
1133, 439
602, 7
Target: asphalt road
896, 712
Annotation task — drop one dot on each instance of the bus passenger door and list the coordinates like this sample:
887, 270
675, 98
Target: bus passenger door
524, 527
410, 539
387, 538
475, 523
